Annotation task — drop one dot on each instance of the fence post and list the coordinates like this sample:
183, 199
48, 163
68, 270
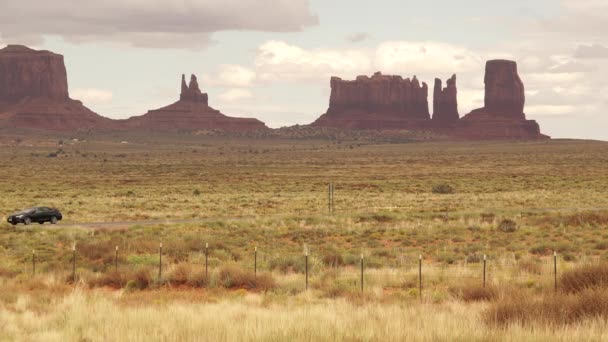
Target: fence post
361, 272
255, 262
555, 269
306, 261
160, 261
74, 262
116, 259
332, 197
207, 260
420, 276
484, 271
329, 198
33, 262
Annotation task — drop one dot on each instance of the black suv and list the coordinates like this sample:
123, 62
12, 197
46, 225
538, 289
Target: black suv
36, 214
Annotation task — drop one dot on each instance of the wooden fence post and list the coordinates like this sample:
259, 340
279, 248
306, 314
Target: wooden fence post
361, 272
306, 261
116, 259
555, 269
484, 271
420, 276
160, 261
74, 262
33, 262
207, 260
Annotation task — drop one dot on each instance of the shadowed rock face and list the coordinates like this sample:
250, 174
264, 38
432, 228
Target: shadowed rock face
376, 102
504, 94
503, 116
192, 92
191, 113
445, 102
34, 93
29, 73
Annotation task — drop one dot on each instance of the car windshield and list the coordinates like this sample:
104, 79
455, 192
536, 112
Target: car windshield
25, 211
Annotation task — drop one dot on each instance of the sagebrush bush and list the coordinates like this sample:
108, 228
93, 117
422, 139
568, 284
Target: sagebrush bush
142, 279
180, 274
231, 276
113, 279
507, 226
474, 292
443, 188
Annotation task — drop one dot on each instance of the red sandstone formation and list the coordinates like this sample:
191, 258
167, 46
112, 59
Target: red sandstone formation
503, 116
445, 103
191, 113
192, 92
377, 102
34, 93
389, 102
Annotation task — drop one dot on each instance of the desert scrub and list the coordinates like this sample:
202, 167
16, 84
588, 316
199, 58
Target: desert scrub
443, 189
507, 226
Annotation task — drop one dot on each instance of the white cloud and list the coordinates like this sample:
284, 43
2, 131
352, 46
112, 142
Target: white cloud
357, 37
150, 23
279, 61
233, 95
425, 57
230, 75
591, 51
550, 110
92, 95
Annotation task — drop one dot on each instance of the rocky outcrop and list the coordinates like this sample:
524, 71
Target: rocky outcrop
25, 72
377, 102
390, 102
191, 113
504, 90
445, 102
34, 93
192, 92
503, 116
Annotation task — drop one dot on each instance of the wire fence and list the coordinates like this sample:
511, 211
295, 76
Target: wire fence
306, 267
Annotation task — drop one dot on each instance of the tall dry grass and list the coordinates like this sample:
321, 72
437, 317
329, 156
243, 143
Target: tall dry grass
98, 317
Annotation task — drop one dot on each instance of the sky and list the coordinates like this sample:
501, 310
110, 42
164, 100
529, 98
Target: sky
272, 59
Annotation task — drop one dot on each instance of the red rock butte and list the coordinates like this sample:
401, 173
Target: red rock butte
390, 102
34, 93
376, 102
191, 113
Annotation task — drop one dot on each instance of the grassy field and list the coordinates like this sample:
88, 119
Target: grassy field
449, 202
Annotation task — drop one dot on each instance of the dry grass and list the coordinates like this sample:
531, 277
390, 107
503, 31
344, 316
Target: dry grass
584, 278
98, 317
552, 309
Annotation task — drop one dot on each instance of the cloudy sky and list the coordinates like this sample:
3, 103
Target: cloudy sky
272, 59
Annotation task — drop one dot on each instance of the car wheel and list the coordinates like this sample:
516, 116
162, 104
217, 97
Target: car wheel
14, 223
27, 221
41, 222
53, 220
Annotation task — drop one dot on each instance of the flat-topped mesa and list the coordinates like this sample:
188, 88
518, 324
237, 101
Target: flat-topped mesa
380, 93
192, 92
377, 102
34, 93
28, 73
445, 102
